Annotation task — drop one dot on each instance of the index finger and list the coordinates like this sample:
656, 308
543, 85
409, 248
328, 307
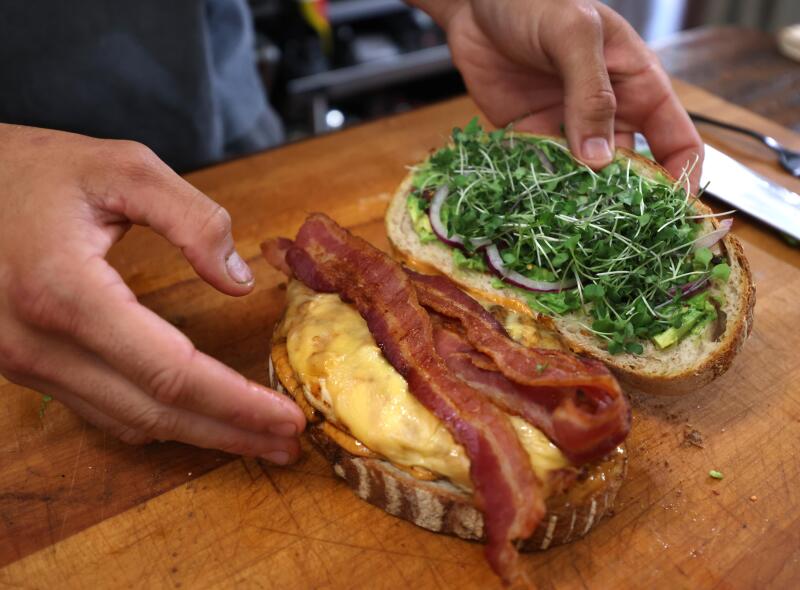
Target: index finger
105, 317
142, 189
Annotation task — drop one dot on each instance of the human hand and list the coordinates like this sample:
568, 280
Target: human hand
71, 328
541, 63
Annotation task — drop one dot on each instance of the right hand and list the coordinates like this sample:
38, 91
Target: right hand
541, 63
71, 328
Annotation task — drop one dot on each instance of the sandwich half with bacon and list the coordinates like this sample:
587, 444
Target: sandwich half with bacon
455, 414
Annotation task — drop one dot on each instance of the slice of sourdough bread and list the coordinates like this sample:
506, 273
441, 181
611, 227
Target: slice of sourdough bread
438, 505
692, 363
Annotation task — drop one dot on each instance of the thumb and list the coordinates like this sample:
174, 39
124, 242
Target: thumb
589, 101
148, 192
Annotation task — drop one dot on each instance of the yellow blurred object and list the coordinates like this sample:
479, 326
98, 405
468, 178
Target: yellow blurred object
315, 12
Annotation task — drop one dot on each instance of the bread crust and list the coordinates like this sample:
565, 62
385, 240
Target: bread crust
443, 508
635, 374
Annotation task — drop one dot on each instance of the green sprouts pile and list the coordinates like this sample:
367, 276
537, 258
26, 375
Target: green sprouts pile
626, 245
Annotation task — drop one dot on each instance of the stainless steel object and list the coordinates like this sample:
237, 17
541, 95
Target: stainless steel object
751, 193
789, 159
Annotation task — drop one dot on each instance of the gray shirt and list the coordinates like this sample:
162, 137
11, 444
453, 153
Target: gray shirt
176, 75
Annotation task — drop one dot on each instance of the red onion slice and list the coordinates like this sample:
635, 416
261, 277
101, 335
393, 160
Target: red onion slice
495, 262
687, 290
715, 236
435, 214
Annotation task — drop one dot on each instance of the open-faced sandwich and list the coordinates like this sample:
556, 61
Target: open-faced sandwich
622, 265
461, 416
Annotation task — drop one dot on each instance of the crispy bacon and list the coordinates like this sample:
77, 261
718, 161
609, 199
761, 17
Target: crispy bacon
575, 401
587, 414
328, 258
556, 411
274, 250
528, 366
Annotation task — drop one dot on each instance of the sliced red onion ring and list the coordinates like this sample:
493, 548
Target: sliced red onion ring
687, 290
495, 262
715, 236
701, 284
435, 214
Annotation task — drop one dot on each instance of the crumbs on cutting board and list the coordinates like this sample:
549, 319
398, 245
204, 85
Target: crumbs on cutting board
692, 436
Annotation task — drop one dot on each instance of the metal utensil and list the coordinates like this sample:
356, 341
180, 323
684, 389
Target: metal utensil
789, 159
739, 186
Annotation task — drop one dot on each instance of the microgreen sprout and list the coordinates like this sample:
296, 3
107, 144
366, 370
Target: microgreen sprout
626, 240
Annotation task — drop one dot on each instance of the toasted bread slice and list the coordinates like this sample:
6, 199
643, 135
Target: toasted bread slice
689, 365
435, 504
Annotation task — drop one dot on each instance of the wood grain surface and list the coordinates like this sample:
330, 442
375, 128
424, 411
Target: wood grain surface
743, 66
79, 510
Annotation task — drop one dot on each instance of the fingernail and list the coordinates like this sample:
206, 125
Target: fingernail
238, 269
277, 457
284, 429
596, 149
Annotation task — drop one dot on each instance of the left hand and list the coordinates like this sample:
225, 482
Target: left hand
71, 328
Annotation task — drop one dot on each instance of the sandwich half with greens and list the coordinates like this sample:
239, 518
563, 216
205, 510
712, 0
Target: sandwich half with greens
622, 264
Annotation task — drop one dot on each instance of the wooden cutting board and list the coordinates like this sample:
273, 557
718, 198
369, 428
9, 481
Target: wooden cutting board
80, 510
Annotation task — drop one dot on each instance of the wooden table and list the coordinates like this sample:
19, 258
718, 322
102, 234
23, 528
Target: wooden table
743, 66
80, 510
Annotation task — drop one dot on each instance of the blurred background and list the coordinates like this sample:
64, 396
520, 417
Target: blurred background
328, 64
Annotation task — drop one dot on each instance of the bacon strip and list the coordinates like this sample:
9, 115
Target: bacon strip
274, 250
528, 366
328, 258
553, 410
591, 416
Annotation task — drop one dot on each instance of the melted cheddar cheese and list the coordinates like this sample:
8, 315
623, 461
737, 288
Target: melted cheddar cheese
345, 376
